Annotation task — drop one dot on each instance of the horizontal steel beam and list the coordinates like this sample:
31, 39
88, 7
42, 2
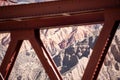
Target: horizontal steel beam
55, 7
37, 23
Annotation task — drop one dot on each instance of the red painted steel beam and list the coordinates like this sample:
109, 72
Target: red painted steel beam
36, 23
46, 61
102, 45
3, 0
10, 57
34, 37
55, 7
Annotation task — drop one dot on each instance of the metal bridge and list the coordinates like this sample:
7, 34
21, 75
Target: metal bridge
27, 19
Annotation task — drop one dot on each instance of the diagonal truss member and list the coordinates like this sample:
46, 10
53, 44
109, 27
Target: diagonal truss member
112, 20
17, 38
80, 12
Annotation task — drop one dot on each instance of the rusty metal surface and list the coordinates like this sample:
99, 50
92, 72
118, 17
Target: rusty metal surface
37, 23
102, 45
55, 7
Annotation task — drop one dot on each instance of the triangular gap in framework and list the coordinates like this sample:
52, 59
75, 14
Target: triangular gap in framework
17, 38
111, 65
27, 65
46, 59
71, 47
4, 43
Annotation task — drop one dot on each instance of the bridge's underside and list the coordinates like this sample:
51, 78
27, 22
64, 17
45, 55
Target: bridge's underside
29, 18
